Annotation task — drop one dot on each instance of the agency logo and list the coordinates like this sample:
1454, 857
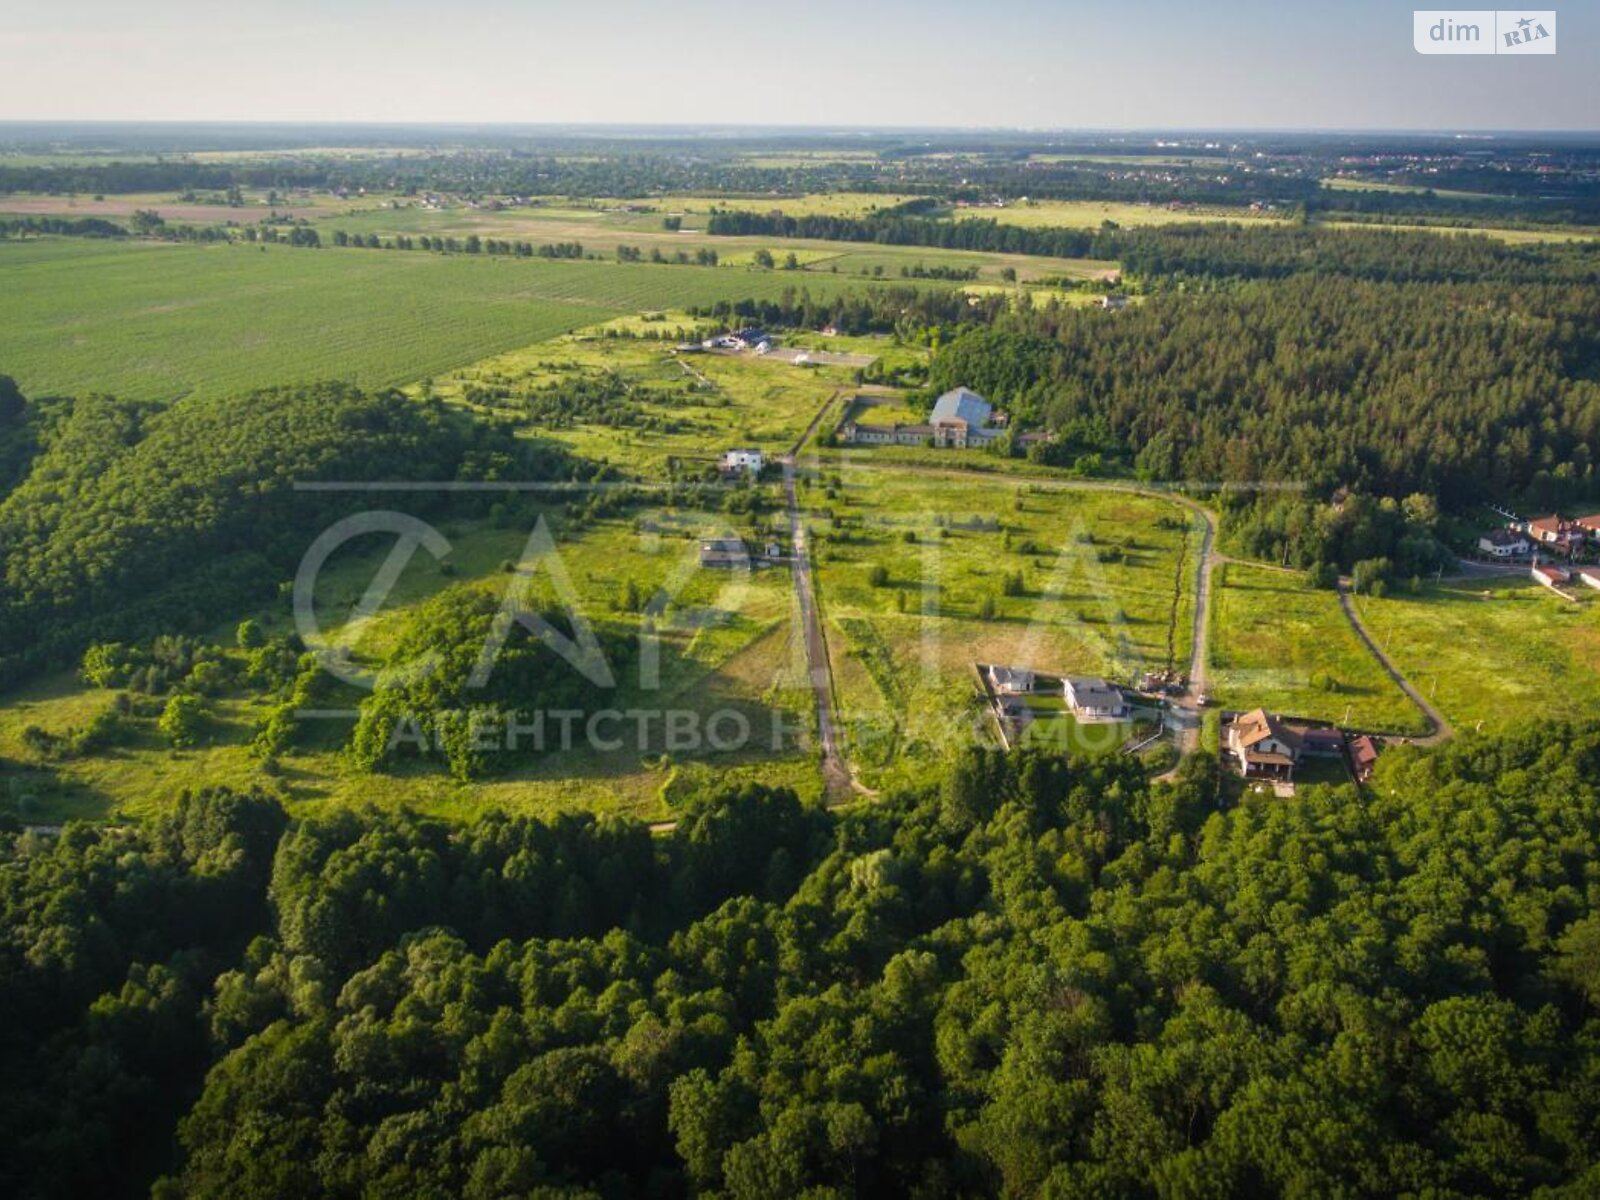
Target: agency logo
1484, 31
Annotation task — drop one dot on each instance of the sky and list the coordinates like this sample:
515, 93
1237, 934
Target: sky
1144, 64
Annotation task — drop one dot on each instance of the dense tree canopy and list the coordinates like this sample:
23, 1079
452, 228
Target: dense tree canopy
1462, 392
131, 515
1041, 977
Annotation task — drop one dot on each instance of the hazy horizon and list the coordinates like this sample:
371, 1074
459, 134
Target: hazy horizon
1020, 65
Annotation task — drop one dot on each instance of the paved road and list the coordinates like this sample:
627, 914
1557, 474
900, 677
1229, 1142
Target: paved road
1439, 729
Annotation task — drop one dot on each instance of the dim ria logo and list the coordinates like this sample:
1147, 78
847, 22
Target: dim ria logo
1483, 31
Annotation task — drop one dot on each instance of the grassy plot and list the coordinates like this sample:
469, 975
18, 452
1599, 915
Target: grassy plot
1288, 648
913, 573
689, 408
1491, 652
160, 321
726, 646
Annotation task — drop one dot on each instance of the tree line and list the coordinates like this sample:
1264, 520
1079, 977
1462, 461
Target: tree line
1200, 250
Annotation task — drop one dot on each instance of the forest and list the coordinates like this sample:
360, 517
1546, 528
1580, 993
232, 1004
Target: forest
1038, 977
129, 519
1453, 393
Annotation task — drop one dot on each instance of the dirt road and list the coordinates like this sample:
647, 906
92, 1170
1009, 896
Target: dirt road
1439, 729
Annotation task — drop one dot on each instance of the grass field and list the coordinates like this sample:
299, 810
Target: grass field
1512, 237
1288, 648
1345, 184
1090, 214
727, 645
903, 650
208, 208
603, 229
1495, 651
160, 321
690, 408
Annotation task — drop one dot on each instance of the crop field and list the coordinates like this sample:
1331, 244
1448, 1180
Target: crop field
200, 211
1288, 648
887, 261
1490, 652
1512, 237
912, 575
601, 231
726, 645
818, 204
1090, 214
158, 321
1341, 183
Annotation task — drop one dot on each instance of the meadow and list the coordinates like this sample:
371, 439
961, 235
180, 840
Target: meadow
913, 573
157, 321
726, 642
1279, 644
1494, 651
687, 408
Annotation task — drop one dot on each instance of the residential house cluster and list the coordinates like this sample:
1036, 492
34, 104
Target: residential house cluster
960, 418
1089, 699
749, 338
1556, 535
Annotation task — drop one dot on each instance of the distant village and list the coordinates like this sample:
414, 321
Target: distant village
1555, 548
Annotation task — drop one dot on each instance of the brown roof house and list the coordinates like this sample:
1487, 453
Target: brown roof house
1363, 757
1550, 575
1264, 746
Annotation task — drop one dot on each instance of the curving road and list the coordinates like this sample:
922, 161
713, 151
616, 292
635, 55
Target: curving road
1439, 729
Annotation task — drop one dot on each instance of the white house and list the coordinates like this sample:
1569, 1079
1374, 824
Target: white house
1011, 681
1094, 698
1557, 533
743, 460
1505, 543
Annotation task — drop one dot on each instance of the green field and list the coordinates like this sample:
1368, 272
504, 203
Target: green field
726, 642
159, 321
1490, 652
603, 229
903, 651
1278, 644
1090, 214
1512, 237
690, 408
